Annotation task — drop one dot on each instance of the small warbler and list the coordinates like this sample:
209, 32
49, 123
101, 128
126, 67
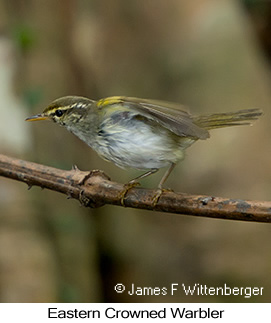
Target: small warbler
138, 133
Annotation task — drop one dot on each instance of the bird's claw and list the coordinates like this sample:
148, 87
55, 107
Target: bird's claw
127, 187
158, 194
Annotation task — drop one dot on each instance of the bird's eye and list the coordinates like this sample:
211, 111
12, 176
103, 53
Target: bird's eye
59, 113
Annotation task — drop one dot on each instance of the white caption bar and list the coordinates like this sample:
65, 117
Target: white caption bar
130, 312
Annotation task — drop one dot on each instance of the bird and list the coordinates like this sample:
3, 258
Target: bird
143, 134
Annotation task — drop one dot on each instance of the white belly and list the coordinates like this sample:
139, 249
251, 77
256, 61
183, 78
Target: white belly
140, 149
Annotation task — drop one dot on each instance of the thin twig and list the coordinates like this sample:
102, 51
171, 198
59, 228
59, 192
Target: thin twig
94, 189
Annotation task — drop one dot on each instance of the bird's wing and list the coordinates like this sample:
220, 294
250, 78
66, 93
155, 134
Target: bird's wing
172, 116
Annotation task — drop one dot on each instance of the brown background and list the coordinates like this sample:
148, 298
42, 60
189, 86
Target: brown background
210, 55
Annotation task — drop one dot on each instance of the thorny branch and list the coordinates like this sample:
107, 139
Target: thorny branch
94, 189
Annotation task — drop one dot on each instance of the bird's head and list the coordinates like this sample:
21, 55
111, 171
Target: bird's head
65, 111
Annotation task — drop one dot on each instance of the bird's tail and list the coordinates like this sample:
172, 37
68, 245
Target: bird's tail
220, 120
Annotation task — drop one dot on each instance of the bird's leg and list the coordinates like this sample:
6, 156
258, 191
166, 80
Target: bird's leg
160, 189
134, 182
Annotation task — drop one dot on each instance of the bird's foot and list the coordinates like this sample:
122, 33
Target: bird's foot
158, 194
127, 187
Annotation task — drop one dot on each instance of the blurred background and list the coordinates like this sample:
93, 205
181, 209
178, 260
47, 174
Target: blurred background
213, 56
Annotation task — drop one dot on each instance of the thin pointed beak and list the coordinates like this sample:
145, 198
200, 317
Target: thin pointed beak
37, 117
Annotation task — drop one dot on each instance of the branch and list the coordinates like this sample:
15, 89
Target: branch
94, 189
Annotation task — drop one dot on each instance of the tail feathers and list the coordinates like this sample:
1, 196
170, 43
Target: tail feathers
220, 120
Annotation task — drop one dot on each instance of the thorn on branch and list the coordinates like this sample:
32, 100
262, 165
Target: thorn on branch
74, 167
